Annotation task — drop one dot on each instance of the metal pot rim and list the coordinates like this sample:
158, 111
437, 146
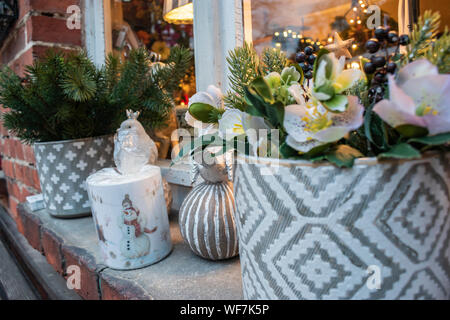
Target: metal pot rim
71, 140
305, 163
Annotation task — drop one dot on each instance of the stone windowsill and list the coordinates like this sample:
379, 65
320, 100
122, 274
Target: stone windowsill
182, 275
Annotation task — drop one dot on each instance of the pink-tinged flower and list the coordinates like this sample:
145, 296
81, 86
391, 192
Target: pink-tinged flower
311, 125
420, 97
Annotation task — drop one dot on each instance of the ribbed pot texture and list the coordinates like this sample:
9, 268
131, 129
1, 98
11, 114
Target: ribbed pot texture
207, 221
63, 167
379, 230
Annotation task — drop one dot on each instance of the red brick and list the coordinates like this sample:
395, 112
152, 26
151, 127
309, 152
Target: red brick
54, 30
89, 278
18, 148
35, 179
13, 210
18, 65
59, 6
8, 147
3, 130
13, 189
24, 193
24, 8
8, 168
31, 228
19, 172
29, 154
14, 44
51, 245
41, 51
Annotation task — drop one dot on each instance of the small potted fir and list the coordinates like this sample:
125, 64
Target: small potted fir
69, 109
343, 177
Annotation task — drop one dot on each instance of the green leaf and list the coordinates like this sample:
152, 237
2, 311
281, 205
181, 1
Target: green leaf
317, 151
337, 104
202, 111
433, 140
195, 144
401, 151
275, 114
343, 156
256, 107
287, 152
326, 89
375, 130
299, 69
262, 88
411, 131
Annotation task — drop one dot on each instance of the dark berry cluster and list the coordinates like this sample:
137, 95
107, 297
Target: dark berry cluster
380, 65
306, 61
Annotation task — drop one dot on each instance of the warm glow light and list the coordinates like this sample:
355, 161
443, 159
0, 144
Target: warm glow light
359, 22
365, 11
352, 21
278, 44
355, 9
179, 12
285, 34
354, 65
363, 5
277, 34
300, 36
330, 39
289, 31
354, 46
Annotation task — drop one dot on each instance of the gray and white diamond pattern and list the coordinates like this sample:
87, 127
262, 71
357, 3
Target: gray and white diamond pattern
312, 232
63, 168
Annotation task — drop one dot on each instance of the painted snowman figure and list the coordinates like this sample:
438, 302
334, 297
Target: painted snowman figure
135, 243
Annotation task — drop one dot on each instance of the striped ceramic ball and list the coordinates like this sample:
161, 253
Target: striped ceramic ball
207, 221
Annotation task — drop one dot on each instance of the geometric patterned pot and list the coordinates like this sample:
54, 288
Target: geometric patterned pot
380, 230
63, 167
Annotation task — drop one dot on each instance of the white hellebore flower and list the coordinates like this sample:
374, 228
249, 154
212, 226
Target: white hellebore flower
311, 125
213, 97
234, 123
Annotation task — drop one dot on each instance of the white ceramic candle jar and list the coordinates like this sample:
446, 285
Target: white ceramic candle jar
130, 216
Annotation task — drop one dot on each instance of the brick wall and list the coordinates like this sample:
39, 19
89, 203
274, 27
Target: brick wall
41, 25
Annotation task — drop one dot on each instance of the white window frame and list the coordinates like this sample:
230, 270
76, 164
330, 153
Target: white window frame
219, 26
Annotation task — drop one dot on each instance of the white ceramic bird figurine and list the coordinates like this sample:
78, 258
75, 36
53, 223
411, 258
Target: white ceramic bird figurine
133, 148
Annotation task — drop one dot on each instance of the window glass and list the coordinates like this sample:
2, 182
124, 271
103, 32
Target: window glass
137, 23
292, 24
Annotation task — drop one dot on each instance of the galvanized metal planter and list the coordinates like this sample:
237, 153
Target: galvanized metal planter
63, 167
380, 230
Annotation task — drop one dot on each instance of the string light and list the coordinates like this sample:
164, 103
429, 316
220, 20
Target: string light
355, 65
354, 46
330, 39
